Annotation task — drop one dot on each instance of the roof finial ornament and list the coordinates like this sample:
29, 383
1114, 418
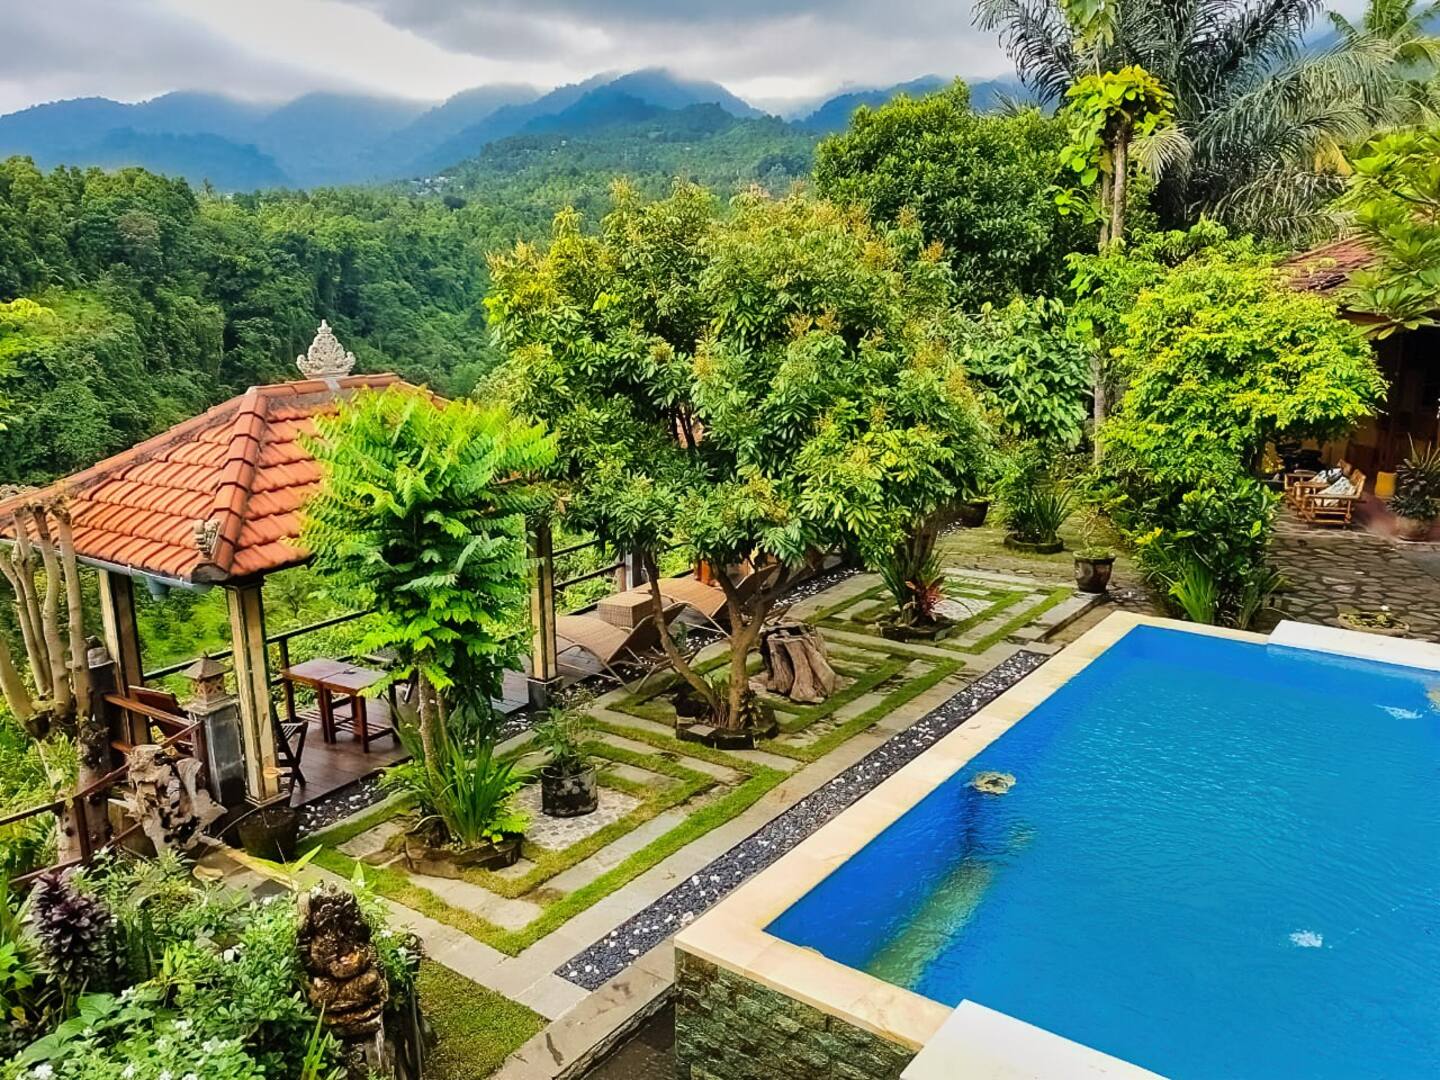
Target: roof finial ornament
326, 357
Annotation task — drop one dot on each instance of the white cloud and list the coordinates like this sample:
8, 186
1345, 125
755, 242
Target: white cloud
771, 50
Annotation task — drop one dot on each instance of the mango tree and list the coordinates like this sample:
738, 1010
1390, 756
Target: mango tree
756, 387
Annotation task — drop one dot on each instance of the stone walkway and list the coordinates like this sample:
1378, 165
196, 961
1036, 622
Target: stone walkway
1336, 570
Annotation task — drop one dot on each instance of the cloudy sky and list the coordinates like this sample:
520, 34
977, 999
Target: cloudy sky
768, 51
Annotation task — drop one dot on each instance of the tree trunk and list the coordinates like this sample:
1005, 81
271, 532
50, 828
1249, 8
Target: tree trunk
1104, 210
17, 694
24, 563
1120, 162
425, 708
11, 568
672, 652
75, 615
1102, 398
62, 702
746, 621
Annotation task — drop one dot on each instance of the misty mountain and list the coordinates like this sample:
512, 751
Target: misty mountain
332, 138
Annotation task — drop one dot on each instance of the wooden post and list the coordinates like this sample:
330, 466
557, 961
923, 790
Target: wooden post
252, 688
544, 652
122, 642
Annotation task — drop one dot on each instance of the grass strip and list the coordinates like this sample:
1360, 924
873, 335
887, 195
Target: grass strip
908, 690
475, 1028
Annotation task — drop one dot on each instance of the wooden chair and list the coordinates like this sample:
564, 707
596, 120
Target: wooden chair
289, 745
613, 645
1302, 482
708, 601
1333, 511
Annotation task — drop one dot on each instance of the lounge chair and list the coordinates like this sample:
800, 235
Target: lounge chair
613, 645
708, 601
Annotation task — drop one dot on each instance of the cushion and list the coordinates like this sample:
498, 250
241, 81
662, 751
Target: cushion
1341, 486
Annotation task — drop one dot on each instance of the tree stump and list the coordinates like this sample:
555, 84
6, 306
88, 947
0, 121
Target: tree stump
166, 797
797, 664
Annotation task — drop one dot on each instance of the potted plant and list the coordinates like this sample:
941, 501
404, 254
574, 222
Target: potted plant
569, 781
972, 509
1095, 560
1380, 622
464, 815
912, 574
1416, 502
1035, 504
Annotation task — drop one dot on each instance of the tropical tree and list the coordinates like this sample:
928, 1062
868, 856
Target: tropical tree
976, 183
1220, 358
1262, 115
1404, 25
1394, 203
421, 515
757, 388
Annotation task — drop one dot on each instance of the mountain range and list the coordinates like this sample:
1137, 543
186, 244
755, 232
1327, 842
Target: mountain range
330, 138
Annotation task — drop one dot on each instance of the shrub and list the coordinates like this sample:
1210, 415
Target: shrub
465, 793
1033, 500
563, 735
1417, 485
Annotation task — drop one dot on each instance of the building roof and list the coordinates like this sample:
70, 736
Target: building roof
214, 499
1326, 268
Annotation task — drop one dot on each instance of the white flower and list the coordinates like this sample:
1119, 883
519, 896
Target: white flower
190, 1076
128, 1071
44, 1072
182, 1026
166, 1075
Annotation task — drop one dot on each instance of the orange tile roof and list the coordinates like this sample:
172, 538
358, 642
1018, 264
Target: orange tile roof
1326, 268
240, 466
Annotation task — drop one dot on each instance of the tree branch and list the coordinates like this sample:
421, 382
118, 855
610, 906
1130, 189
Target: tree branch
672, 651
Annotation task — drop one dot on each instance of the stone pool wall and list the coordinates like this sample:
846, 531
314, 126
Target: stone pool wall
728, 1027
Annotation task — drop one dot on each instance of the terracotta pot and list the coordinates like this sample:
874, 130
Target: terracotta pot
1412, 528
565, 794
1093, 575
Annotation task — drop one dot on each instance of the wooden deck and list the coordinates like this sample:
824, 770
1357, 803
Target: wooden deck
328, 767
331, 766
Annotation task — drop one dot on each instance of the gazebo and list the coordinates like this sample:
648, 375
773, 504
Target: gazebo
212, 503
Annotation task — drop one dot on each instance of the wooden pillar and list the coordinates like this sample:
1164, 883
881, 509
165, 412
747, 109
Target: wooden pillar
544, 652
252, 688
122, 642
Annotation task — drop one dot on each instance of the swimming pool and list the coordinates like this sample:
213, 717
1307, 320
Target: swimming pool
1218, 858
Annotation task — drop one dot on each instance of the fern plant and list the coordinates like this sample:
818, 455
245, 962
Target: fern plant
464, 793
421, 515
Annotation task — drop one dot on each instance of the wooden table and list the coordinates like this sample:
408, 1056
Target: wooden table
328, 678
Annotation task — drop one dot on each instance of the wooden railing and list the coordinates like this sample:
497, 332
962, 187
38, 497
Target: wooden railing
78, 803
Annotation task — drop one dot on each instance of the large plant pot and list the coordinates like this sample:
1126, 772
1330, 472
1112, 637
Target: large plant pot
972, 513
1415, 529
938, 630
423, 857
1092, 575
565, 794
1353, 620
271, 832
1034, 547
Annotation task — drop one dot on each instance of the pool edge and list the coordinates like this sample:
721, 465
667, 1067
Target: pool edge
731, 936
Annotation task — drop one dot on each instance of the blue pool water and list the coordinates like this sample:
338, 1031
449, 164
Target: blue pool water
1218, 859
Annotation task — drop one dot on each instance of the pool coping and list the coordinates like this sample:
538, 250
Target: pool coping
732, 935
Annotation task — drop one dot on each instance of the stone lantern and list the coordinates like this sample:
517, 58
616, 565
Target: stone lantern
207, 677
218, 713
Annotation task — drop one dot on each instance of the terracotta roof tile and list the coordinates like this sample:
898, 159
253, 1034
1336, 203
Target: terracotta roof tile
241, 465
1325, 269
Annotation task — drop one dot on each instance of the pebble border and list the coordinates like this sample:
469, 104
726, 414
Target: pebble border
596, 965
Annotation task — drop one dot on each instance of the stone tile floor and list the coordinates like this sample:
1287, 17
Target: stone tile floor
1335, 570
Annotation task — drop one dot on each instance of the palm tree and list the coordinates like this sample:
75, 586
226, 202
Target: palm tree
1403, 24
1262, 115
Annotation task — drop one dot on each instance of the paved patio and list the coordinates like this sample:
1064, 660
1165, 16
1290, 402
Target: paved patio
1337, 570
